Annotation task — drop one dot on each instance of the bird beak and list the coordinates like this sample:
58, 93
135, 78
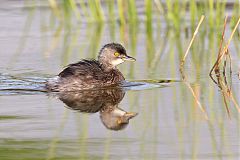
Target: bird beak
128, 58
130, 115
126, 117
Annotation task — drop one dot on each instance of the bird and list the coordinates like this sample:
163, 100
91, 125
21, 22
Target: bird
90, 73
115, 118
104, 101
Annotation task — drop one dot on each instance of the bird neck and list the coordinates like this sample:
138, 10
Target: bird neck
106, 66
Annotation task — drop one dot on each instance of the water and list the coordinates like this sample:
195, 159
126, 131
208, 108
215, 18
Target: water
169, 123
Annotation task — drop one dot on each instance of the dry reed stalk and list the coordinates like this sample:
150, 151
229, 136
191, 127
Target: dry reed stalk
239, 73
196, 100
193, 37
193, 93
228, 92
224, 94
182, 70
216, 64
224, 53
228, 55
226, 104
225, 49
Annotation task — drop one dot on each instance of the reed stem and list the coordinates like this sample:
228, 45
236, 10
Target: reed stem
193, 37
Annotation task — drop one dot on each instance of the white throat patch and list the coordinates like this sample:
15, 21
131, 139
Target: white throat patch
117, 62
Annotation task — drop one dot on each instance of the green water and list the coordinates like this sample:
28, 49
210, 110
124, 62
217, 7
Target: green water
170, 123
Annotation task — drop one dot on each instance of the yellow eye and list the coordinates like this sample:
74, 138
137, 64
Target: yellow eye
116, 54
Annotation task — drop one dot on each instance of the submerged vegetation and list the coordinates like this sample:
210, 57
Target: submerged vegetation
221, 81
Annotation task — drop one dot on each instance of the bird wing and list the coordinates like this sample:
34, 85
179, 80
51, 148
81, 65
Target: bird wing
84, 68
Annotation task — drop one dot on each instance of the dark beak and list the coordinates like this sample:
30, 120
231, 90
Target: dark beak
128, 58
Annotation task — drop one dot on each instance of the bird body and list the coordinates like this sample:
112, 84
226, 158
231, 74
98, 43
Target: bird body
88, 74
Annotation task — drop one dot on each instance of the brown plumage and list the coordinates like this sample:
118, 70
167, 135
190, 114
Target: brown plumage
88, 74
104, 101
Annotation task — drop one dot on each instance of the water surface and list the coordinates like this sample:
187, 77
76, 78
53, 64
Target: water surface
169, 124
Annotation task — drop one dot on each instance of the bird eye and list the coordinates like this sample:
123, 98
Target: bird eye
116, 54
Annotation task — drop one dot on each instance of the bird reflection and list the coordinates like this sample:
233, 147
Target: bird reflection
104, 101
